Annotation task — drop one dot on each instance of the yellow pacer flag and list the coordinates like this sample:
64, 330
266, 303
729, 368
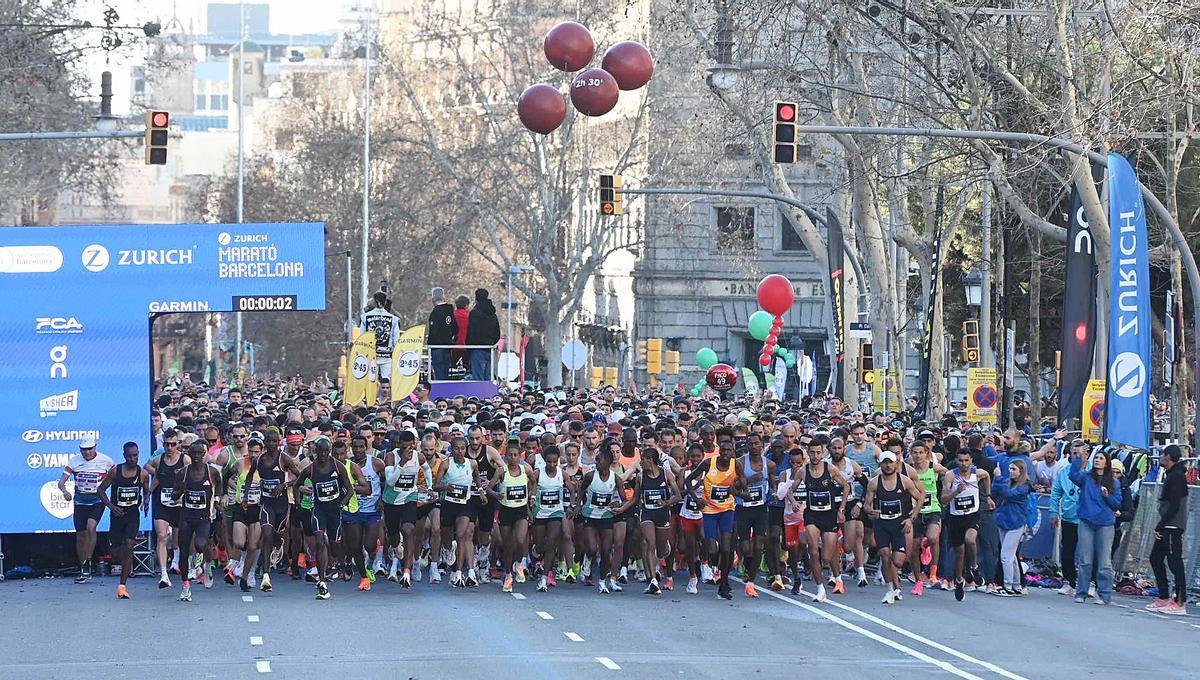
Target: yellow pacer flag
362, 383
406, 362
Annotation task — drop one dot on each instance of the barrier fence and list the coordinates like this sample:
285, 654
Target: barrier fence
1133, 555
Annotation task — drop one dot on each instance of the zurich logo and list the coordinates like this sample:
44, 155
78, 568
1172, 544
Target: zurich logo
32, 436
95, 258
34, 461
1127, 375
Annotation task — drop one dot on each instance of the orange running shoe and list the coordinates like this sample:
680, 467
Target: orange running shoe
302, 561
838, 586
364, 584
122, 593
751, 591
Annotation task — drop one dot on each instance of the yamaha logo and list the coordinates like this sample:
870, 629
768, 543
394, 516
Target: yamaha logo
32, 436
1127, 375
34, 461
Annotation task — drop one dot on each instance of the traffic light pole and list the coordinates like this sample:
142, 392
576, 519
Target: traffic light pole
72, 134
1160, 210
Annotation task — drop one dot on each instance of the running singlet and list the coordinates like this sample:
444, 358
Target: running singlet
327, 489
847, 469
929, 479
655, 491
400, 481
126, 491
718, 487
271, 478
601, 496
249, 493
458, 481
514, 489
865, 458
549, 501
425, 494
164, 478
966, 501
890, 502
821, 490
366, 504
757, 484
486, 471
197, 495
693, 503
351, 505
795, 513
88, 476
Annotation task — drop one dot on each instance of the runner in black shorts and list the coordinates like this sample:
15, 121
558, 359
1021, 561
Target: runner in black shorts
164, 508
195, 486
751, 509
272, 467
331, 487
822, 516
892, 500
658, 491
130, 484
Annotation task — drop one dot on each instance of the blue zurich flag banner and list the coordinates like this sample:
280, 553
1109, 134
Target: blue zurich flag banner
1127, 404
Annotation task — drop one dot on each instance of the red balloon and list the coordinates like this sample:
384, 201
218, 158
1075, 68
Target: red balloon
775, 294
778, 322
772, 340
569, 46
721, 377
764, 360
594, 92
630, 63
542, 108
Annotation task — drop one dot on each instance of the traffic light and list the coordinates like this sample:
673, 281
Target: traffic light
785, 132
610, 375
597, 377
639, 353
611, 202
866, 363
157, 128
654, 356
672, 358
970, 341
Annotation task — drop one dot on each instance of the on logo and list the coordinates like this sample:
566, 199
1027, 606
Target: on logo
95, 258
1127, 375
58, 361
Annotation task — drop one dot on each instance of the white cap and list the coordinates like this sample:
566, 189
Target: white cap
887, 455
87, 443
537, 431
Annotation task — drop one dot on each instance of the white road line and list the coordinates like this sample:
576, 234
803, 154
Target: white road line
944, 665
247, 598
1194, 626
545, 616
252, 618
263, 666
573, 637
923, 640
608, 663
518, 596
256, 641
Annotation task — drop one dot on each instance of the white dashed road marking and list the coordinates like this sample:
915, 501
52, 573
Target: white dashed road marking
518, 596
573, 637
608, 663
256, 641
252, 618
545, 616
263, 666
247, 598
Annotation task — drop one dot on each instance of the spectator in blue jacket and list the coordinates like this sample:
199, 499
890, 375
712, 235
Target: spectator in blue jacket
1064, 513
1012, 491
1099, 499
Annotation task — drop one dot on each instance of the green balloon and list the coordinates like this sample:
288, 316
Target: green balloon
706, 358
760, 325
790, 361
696, 391
782, 351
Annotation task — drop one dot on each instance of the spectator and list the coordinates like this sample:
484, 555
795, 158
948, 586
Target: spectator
1012, 490
1064, 512
460, 359
442, 330
1099, 499
484, 330
1168, 534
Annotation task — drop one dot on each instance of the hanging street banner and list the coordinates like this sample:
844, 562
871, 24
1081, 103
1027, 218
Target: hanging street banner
1127, 403
837, 295
750, 382
922, 407
780, 382
885, 391
1093, 411
406, 362
1078, 314
362, 382
983, 399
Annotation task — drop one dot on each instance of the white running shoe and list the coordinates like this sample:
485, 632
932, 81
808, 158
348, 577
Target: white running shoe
820, 596
623, 576
585, 569
692, 586
616, 586
416, 572
706, 573
1066, 590
603, 587
186, 595
890, 597
435, 576
542, 584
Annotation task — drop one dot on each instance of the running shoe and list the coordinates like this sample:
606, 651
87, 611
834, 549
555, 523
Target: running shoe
164, 582
229, 577
820, 596
471, 581
616, 586
838, 586
603, 587
1079, 599
926, 553
653, 588
573, 573
1157, 605
692, 586
122, 593
959, 591
706, 573
406, 579
750, 590
276, 554
1001, 592
311, 575
862, 577
364, 583
84, 577
918, 588
1104, 603
243, 585
723, 593
551, 581
508, 584
542, 586
623, 578
266, 583
1174, 609
796, 587
435, 576
777, 583
208, 575
832, 582
186, 594
174, 568
456, 579
416, 572
520, 573
488, 575
322, 591
669, 584
392, 573
889, 597
585, 567
1092, 591
1067, 589
371, 575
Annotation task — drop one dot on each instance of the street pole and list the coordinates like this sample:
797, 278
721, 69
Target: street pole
1160, 210
349, 301
366, 198
508, 306
241, 157
987, 359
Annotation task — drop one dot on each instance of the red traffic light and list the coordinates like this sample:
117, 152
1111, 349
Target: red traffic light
160, 119
785, 112
1081, 333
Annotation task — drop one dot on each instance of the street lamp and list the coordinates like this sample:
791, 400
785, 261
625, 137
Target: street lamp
105, 121
973, 284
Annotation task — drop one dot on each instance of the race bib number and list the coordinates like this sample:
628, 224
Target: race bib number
515, 494
327, 491
756, 496
549, 499
405, 484
166, 496
964, 504
692, 503
820, 501
127, 496
891, 509
87, 482
195, 500
928, 501
253, 494
601, 500
654, 498
270, 487
458, 493
718, 494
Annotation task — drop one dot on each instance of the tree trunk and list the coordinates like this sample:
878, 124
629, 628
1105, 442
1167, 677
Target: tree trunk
937, 354
553, 340
1035, 329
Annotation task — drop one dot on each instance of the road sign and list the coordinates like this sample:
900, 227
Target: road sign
1093, 411
508, 366
574, 355
859, 329
982, 396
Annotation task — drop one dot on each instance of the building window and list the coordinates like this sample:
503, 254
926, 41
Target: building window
201, 102
790, 241
735, 228
218, 102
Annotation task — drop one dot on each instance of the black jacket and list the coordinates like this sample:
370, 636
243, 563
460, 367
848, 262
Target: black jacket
443, 329
1172, 499
484, 327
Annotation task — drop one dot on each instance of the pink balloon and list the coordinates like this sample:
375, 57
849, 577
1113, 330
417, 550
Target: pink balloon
569, 46
542, 108
594, 92
775, 294
721, 377
630, 63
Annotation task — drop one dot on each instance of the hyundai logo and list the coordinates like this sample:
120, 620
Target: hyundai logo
32, 436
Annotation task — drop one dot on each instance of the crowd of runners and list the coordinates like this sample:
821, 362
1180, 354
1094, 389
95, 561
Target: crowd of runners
603, 489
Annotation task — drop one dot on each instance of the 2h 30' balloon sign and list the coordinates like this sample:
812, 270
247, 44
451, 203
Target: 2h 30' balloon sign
569, 47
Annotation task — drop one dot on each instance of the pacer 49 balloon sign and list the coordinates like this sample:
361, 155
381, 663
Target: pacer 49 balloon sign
627, 65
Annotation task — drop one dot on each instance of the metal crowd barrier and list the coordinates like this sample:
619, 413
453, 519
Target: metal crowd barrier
1133, 556
427, 368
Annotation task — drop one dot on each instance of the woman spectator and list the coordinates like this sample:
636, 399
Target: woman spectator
1100, 497
1012, 492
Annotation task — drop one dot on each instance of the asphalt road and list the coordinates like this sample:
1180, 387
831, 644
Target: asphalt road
56, 629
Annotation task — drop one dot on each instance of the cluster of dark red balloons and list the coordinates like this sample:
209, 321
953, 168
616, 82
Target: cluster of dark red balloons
569, 47
775, 296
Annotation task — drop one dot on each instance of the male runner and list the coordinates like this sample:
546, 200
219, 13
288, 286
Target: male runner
723, 479
854, 527
362, 525
927, 527
751, 512
890, 500
822, 515
164, 508
226, 460
89, 468
194, 489
331, 488
273, 468
487, 461
402, 470
130, 484
962, 491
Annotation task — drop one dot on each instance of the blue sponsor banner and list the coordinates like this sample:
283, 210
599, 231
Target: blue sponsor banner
74, 333
1127, 403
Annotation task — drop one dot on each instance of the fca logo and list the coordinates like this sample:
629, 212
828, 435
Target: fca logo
95, 258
